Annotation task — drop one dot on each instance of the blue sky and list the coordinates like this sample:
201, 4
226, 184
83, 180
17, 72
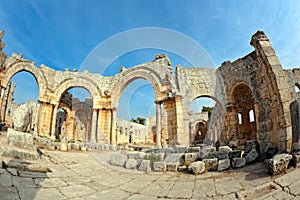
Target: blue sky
62, 33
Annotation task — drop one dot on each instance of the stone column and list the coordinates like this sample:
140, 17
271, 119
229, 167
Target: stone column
94, 126
113, 139
1, 101
53, 123
158, 124
37, 117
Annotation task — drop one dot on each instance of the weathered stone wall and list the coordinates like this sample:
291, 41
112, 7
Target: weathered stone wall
125, 128
270, 95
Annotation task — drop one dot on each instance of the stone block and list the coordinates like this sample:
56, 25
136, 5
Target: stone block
252, 156
279, 163
222, 155
190, 157
145, 166
193, 150
75, 146
211, 164
21, 153
251, 144
182, 168
118, 159
131, 164
69, 146
180, 149
83, 148
159, 166
20, 139
63, 146
226, 149
197, 167
271, 152
173, 167
235, 154
238, 162
1, 164
136, 155
174, 157
223, 164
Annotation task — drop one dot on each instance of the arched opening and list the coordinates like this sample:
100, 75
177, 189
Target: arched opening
22, 88
244, 124
74, 115
203, 117
135, 112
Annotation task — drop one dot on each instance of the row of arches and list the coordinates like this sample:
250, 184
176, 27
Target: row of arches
240, 117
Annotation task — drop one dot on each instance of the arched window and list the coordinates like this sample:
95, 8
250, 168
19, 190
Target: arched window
251, 116
240, 117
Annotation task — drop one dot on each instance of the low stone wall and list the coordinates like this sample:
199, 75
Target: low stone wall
197, 160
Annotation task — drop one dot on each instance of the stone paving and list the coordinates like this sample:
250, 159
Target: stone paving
87, 175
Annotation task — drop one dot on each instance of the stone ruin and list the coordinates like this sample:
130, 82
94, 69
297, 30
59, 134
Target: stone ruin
20, 140
255, 85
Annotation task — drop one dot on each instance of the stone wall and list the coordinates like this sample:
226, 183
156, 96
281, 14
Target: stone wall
269, 93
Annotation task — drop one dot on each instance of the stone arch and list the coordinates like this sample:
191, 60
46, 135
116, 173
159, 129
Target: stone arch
30, 68
216, 121
133, 74
243, 102
81, 82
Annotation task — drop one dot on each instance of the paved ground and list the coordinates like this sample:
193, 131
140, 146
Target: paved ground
86, 175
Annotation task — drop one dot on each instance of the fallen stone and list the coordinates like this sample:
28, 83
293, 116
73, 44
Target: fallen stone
131, 164
21, 153
145, 166
180, 150
197, 167
83, 149
279, 163
63, 146
211, 164
182, 168
235, 154
221, 155
22, 118
251, 144
271, 152
223, 164
137, 155
172, 167
226, 149
252, 156
174, 157
20, 139
238, 162
207, 150
75, 146
159, 166
190, 158
193, 150
118, 159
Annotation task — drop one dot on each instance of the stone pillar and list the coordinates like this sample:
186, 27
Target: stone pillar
113, 134
1, 101
45, 119
158, 124
36, 123
53, 127
94, 126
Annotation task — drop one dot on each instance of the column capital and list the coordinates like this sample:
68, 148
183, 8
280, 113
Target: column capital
158, 101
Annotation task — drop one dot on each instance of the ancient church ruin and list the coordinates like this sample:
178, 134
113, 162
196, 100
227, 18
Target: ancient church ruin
255, 100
